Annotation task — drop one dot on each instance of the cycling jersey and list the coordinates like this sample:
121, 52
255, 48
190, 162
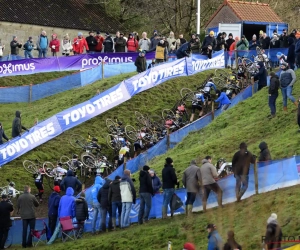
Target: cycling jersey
198, 98
209, 85
59, 172
123, 151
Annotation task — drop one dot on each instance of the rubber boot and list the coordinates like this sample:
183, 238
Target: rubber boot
220, 199
296, 104
285, 109
164, 213
189, 210
192, 117
114, 227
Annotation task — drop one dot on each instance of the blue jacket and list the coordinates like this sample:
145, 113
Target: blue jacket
53, 204
183, 51
99, 182
156, 183
67, 204
223, 100
215, 241
253, 46
28, 46
70, 181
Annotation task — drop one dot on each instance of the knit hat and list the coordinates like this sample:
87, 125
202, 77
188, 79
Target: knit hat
98, 32
152, 171
79, 33
272, 218
169, 160
107, 34
230, 34
14, 37
56, 189
212, 32
261, 32
188, 246
254, 36
117, 177
146, 168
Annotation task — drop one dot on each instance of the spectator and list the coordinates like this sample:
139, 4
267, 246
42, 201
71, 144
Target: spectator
17, 126
132, 43
240, 166
91, 42
182, 40
136, 36
140, 62
96, 205
79, 43
146, 193
273, 93
108, 44
26, 203
155, 42
261, 38
195, 47
70, 181
66, 45
14, 48
193, 38
275, 43
152, 64
214, 239
2, 134
156, 183
28, 47
223, 99
297, 53
265, 44
161, 52
169, 180
273, 235
229, 54
53, 204
100, 41
116, 37
264, 154
128, 195
2, 47
144, 43
191, 180
253, 43
171, 40
114, 198
242, 46
54, 45
208, 178
283, 40
261, 76
66, 205
166, 43
231, 244
106, 208
209, 43
82, 213
6, 211
229, 41
287, 79
189, 246
291, 57
120, 44
155, 33
184, 50
220, 42
173, 50
42, 44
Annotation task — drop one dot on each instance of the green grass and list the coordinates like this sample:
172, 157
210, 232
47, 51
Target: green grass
11, 81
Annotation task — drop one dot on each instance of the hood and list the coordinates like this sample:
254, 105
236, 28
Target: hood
116, 182
106, 184
70, 173
261, 64
99, 180
168, 166
263, 145
272, 221
143, 173
18, 114
125, 177
204, 161
275, 76
70, 191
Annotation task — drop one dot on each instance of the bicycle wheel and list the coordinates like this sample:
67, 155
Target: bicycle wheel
221, 73
77, 141
88, 160
167, 113
131, 132
219, 82
111, 125
184, 92
48, 169
30, 167
258, 50
113, 141
9, 240
65, 161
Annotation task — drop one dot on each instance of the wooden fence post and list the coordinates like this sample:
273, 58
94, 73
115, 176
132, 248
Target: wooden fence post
30, 93
102, 69
236, 59
256, 177
212, 110
168, 138
125, 162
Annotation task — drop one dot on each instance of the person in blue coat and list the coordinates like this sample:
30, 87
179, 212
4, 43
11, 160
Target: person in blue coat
99, 182
214, 239
70, 181
184, 50
223, 100
67, 204
156, 183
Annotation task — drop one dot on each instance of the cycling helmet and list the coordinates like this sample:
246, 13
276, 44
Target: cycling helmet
12, 184
120, 123
75, 156
181, 108
94, 139
59, 164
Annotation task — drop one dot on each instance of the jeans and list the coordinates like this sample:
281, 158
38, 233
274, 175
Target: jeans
287, 93
168, 194
145, 207
52, 220
97, 210
31, 224
14, 57
104, 211
212, 187
125, 217
28, 54
190, 199
272, 103
91, 52
3, 236
241, 184
225, 106
116, 205
42, 53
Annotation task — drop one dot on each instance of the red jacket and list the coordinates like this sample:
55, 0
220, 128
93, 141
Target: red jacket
100, 40
56, 43
79, 44
132, 45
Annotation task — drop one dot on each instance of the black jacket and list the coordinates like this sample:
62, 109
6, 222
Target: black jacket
169, 177
5, 209
82, 212
291, 56
92, 43
262, 76
264, 152
283, 39
2, 135
53, 204
241, 162
17, 125
14, 47
102, 196
141, 64
229, 41
274, 85
220, 43
265, 43
114, 193
145, 182
120, 44
231, 245
273, 234
108, 44
208, 40
70, 181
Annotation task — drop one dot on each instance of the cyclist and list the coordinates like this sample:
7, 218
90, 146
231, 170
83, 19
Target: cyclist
124, 152
38, 181
262, 57
207, 88
59, 172
180, 110
76, 164
138, 144
197, 102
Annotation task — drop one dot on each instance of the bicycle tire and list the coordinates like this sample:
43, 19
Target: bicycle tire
219, 82
77, 141
30, 167
87, 160
184, 91
113, 141
65, 160
111, 125
222, 73
46, 166
167, 112
131, 132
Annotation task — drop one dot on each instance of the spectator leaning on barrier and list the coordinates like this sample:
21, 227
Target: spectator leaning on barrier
156, 183
42, 44
144, 42
273, 235
209, 43
2, 134
223, 99
253, 43
261, 76
91, 42
132, 44
66, 45
54, 45
79, 43
184, 50
214, 239
6, 211
14, 47
120, 43
140, 62
108, 43
264, 154
100, 41
17, 126
273, 93
231, 244
28, 47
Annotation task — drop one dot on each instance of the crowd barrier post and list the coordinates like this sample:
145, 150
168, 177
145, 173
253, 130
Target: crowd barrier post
168, 138
212, 110
236, 58
125, 162
256, 177
253, 87
102, 69
30, 93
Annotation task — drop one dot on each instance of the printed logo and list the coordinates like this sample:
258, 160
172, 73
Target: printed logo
10, 68
105, 59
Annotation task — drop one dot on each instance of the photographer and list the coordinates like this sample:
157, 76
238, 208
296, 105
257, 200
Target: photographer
145, 42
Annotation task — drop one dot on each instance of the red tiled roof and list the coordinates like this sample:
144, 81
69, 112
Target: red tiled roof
250, 11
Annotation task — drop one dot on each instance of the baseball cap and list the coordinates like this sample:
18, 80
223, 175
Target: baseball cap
212, 32
56, 189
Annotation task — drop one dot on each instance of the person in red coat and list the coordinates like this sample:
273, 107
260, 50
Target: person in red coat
132, 43
54, 45
79, 43
100, 40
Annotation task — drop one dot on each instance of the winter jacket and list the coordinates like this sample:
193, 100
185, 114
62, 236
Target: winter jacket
28, 46
120, 45
17, 125
128, 193
5, 209
66, 46
195, 48
208, 173
233, 46
79, 45
154, 44
102, 195
145, 182
114, 192
56, 43
265, 43
291, 56
145, 44
53, 204
229, 245
287, 78
26, 203
273, 234
108, 44
99, 45
70, 181
42, 42
229, 41
223, 100
220, 43
241, 162
156, 183
183, 51
141, 64
274, 43
253, 44
208, 40
171, 41
264, 152
132, 45
2, 135
160, 52
14, 47
242, 44
297, 47
169, 177
66, 205
215, 241
283, 39
81, 208
191, 179
96, 187
274, 85
262, 75
91, 42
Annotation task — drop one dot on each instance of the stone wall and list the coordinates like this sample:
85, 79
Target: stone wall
23, 31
